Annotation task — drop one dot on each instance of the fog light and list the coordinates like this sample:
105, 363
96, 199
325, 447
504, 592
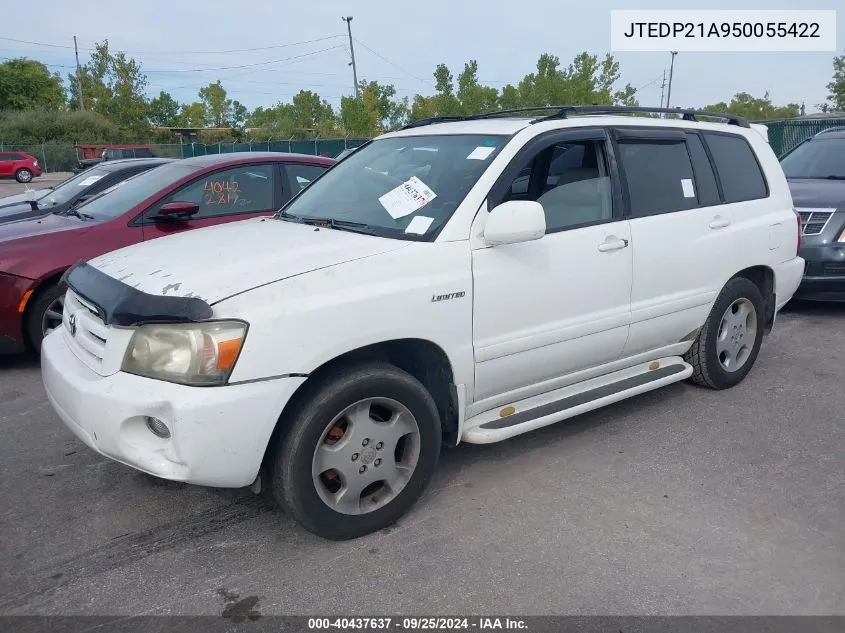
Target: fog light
157, 427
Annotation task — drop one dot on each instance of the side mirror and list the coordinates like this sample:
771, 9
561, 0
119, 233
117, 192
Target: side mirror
515, 221
176, 211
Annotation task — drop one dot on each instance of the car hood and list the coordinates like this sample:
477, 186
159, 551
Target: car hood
217, 262
17, 198
21, 211
49, 223
818, 193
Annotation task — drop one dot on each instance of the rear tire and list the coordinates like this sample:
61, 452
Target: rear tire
40, 314
23, 175
729, 341
358, 450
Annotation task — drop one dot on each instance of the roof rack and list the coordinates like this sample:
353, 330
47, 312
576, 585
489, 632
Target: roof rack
562, 112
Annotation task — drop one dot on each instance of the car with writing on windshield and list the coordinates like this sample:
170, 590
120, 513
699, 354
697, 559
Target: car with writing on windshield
74, 191
175, 197
425, 292
19, 165
815, 170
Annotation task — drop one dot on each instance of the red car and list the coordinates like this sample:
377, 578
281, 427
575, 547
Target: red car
19, 165
178, 196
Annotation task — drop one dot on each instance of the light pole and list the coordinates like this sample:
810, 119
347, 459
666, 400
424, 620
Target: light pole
671, 69
348, 21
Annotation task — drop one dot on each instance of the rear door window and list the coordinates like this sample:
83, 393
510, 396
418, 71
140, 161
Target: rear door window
659, 177
737, 166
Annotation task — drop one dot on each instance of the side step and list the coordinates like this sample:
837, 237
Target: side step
554, 406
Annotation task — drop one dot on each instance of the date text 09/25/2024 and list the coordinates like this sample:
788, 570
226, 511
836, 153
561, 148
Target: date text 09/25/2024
417, 624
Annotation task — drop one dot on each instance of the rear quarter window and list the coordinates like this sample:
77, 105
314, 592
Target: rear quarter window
737, 167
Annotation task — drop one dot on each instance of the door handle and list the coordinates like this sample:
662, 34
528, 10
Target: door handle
719, 223
613, 245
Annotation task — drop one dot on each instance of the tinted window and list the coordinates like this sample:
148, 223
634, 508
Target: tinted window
573, 185
300, 176
244, 189
739, 172
705, 180
819, 158
136, 190
7, 157
659, 176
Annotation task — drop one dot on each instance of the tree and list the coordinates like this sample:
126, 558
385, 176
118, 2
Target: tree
374, 111
472, 96
163, 110
755, 109
27, 84
239, 114
192, 115
836, 98
218, 108
307, 115
112, 85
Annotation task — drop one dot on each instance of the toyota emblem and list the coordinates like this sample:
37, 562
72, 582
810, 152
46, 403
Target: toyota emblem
71, 324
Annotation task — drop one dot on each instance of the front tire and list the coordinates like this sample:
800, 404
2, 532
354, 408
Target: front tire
45, 314
730, 339
359, 449
23, 175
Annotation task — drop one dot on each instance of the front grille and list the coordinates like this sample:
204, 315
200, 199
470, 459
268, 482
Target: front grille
834, 269
88, 335
814, 221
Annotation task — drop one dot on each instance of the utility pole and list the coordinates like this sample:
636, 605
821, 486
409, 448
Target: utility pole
671, 70
78, 77
662, 88
348, 21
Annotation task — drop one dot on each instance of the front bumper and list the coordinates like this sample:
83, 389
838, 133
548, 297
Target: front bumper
12, 291
218, 434
824, 275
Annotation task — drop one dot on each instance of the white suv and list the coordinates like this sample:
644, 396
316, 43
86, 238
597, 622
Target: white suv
457, 280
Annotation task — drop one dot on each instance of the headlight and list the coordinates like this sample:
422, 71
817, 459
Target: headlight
197, 354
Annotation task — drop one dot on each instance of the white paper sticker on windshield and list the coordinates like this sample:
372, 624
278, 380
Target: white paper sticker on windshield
481, 153
419, 225
89, 181
412, 195
686, 185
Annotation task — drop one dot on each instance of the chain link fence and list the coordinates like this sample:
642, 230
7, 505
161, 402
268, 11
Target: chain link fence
62, 157
784, 135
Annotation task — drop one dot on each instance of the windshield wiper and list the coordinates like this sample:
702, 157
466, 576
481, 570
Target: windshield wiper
340, 225
77, 214
834, 177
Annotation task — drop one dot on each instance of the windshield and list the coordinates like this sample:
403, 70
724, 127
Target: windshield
819, 158
135, 190
65, 191
405, 187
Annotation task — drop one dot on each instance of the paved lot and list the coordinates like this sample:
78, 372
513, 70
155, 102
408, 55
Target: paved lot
678, 501
9, 186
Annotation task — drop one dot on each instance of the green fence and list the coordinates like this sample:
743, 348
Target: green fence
784, 135
63, 157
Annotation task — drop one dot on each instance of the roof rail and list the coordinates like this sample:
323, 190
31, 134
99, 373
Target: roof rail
561, 112
686, 114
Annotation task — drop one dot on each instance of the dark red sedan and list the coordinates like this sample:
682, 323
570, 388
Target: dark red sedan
179, 196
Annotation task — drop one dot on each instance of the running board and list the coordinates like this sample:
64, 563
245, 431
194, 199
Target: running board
554, 406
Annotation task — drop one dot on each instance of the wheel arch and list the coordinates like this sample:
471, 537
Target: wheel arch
42, 286
423, 359
764, 278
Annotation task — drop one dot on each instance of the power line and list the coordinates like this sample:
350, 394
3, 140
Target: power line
381, 57
220, 52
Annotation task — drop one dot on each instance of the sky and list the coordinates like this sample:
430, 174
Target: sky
186, 44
